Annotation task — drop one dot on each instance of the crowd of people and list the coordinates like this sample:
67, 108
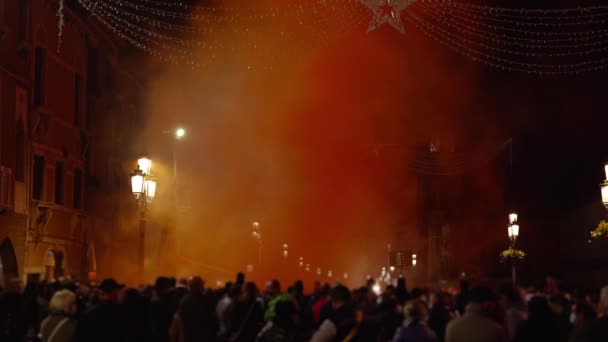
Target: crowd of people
185, 310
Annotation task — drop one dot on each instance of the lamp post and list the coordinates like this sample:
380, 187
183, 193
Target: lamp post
143, 187
513, 231
604, 187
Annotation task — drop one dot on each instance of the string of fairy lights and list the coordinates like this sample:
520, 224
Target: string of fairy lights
538, 41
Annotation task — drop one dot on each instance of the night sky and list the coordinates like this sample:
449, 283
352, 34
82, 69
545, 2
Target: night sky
291, 146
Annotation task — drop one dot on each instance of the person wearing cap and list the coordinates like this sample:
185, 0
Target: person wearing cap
474, 325
102, 322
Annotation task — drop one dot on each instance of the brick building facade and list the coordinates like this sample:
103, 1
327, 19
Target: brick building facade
56, 161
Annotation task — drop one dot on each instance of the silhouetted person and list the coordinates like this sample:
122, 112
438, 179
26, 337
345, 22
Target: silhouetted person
11, 322
583, 318
197, 314
541, 324
240, 279
599, 329
515, 310
103, 322
414, 328
161, 309
401, 291
342, 322
462, 299
60, 325
248, 316
283, 328
476, 325
135, 326
439, 316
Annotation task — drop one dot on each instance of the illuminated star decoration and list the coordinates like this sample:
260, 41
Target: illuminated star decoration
386, 12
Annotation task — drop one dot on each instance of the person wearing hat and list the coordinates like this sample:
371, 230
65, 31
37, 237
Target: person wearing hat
475, 325
102, 322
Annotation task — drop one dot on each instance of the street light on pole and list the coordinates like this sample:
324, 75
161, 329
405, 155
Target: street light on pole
143, 187
604, 187
513, 232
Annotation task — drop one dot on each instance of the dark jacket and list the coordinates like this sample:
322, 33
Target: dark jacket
102, 323
197, 313
414, 332
64, 333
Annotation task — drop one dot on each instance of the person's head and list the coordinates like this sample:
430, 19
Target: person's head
582, 313
339, 295
63, 302
235, 291
162, 285
415, 311
240, 278
539, 309
299, 287
196, 285
285, 313
275, 287
250, 291
510, 294
182, 283
132, 297
401, 283
109, 290
485, 297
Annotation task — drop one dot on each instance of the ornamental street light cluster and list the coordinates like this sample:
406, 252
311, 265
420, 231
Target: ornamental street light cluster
143, 187
513, 232
604, 187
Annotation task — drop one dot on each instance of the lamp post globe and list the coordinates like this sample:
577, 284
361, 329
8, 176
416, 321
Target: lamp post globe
137, 183
180, 133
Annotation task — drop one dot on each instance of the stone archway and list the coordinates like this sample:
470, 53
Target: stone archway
8, 262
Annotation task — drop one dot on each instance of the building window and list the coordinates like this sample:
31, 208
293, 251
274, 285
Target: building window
39, 76
77, 189
77, 87
20, 153
38, 178
59, 182
24, 20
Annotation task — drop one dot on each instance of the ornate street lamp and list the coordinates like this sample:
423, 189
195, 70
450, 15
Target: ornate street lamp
143, 187
513, 231
257, 235
604, 187
414, 261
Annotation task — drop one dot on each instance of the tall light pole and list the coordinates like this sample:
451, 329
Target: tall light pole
513, 231
143, 187
180, 133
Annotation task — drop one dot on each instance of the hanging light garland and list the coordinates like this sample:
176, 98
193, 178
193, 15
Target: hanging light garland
537, 41
60, 24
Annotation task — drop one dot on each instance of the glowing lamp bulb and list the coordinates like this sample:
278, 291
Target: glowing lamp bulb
376, 288
180, 133
512, 218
